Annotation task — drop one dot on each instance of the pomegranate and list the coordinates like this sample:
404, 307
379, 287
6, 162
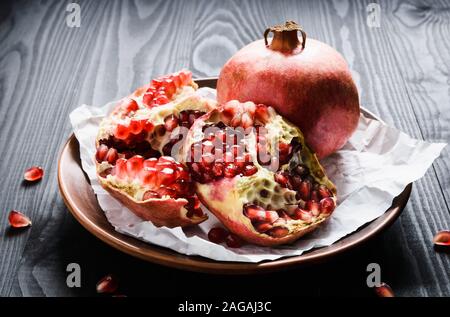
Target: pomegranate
306, 81
108, 284
136, 153
384, 290
253, 170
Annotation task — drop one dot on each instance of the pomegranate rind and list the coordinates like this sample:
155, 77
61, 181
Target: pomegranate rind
226, 197
162, 212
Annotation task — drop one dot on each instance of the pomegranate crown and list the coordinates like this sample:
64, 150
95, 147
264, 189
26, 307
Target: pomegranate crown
285, 37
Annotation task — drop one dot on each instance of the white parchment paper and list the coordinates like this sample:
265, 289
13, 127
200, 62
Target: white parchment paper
375, 166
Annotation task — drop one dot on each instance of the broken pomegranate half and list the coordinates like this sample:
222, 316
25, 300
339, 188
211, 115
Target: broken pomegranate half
254, 171
137, 149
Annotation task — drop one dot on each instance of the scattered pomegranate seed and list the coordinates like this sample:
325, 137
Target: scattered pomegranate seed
33, 174
18, 220
384, 290
217, 235
108, 284
233, 241
442, 240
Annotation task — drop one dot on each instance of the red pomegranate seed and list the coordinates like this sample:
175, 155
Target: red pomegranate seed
148, 176
112, 156
324, 191
257, 213
384, 290
148, 126
169, 86
263, 226
233, 241
166, 191
327, 205
185, 76
217, 235
151, 162
305, 190
161, 100
230, 170
313, 207
250, 169
278, 232
176, 79
121, 168
147, 99
282, 179
150, 194
121, 132
108, 284
261, 113
170, 122
33, 174
135, 126
135, 165
102, 149
129, 105
442, 239
300, 214
315, 195
167, 176
18, 220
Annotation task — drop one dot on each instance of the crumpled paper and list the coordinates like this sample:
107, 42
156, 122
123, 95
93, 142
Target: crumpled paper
374, 166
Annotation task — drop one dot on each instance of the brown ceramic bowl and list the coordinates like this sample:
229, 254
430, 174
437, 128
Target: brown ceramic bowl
82, 203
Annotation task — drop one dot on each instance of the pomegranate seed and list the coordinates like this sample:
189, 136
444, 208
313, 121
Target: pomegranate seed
250, 169
108, 284
313, 207
324, 191
169, 86
301, 170
150, 194
233, 241
327, 205
161, 100
282, 179
301, 214
157, 83
33, 174
246, 120
166, 176
18, 220
257, 213
184, 116
315, 195
148, 176
166, 191
148, 126
135, 126
217, 169
442, 239
170, 122
121, 132
182, 174
263, 226
296, 181
278, 232
151, 162
217, 235
305, 190
135, 165
102, 149
185, 76
112, 156
176, 79
129, 105
384, 290
261, 113
230, 170
121, 168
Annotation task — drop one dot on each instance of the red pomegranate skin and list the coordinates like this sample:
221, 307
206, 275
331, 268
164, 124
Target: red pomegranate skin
312, 88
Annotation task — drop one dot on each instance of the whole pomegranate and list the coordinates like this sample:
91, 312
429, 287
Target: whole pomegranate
308, 82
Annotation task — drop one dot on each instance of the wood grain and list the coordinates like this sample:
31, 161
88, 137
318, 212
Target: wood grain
47, 69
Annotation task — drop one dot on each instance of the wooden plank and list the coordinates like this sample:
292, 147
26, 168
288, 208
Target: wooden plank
47, 69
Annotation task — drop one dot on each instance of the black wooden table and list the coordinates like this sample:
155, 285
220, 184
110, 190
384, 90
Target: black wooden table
48, 68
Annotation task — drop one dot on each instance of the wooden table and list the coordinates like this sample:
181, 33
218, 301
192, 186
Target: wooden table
47, 69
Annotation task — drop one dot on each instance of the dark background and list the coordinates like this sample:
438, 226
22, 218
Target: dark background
47, 69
